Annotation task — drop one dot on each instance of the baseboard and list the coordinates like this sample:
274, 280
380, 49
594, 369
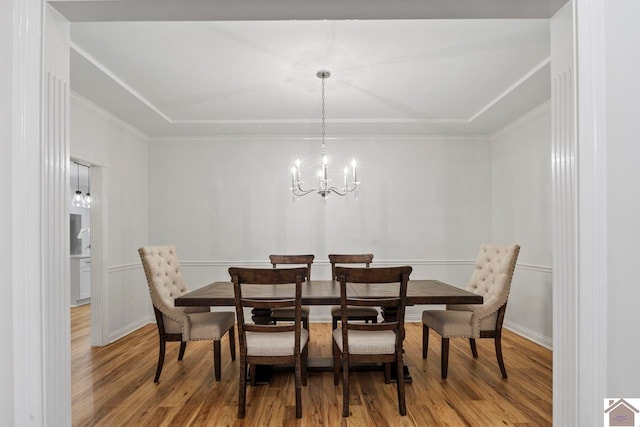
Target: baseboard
529, 334
129, 328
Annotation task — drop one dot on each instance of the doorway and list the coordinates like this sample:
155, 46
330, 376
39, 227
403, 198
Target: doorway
80, 234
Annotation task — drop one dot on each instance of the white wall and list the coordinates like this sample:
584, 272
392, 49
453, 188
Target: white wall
623, 222
6, 121
426, 202
101, 139
521, 213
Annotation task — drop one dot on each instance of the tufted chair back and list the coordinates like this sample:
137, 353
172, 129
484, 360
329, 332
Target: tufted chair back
165, 281
491, 278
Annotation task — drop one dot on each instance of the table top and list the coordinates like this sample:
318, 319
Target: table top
327, 292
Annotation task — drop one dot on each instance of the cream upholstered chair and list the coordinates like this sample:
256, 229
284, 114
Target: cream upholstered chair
371, 342
164, 277
271, 344
287, 314
368, 314
491, 279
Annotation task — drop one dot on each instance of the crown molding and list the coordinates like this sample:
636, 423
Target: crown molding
118, 80
511, 88
85, 104
297, 138
527, 117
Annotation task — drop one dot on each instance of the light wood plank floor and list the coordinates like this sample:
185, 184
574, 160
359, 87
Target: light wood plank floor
113, 386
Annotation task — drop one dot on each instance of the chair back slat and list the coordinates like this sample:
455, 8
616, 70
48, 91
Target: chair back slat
293, 260
334, 259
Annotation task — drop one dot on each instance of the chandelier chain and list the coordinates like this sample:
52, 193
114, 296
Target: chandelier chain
323, 148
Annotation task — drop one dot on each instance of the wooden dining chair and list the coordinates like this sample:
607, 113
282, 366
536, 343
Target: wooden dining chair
287, 314
182, 324
492, 279
367, 314
284, 344
371, 342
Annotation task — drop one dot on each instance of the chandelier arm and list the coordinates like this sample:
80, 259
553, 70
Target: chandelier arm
341, 192
299, 192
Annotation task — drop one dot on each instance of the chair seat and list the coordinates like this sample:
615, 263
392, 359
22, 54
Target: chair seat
274, 343
211, 325
449, 323
353, 311
367, 342
289, 312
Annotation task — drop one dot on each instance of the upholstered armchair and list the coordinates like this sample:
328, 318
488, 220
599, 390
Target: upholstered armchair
492, 279
166, 283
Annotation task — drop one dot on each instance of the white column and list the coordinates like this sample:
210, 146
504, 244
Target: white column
565, 213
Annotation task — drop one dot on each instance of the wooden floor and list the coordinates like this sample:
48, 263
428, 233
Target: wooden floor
113, 386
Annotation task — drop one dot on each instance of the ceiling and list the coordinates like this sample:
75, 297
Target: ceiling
246, 75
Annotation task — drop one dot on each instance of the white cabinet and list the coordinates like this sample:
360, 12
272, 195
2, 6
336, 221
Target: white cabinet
80, 272
85, 278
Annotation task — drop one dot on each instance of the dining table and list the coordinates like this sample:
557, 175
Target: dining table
327, 292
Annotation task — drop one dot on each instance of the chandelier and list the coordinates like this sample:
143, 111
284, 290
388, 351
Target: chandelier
323, 188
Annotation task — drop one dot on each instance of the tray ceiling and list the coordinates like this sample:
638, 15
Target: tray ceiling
257, 78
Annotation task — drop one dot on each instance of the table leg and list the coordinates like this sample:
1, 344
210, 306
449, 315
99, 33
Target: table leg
261, 316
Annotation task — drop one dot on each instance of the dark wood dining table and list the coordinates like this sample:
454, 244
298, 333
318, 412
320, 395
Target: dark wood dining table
327, 292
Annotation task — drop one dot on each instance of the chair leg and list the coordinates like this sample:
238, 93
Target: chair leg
474, 349
444, 363
345, 385
160, 359
402, 407
336, 363
425, 340
498, 340
387, 373
298, 381
305, 358
216, 359
232, 343
183, 346
242, 387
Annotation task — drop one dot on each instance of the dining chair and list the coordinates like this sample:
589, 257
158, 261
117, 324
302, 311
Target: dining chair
270, 344
491, 278
371, 342
368, 314
287, 314
183, 324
